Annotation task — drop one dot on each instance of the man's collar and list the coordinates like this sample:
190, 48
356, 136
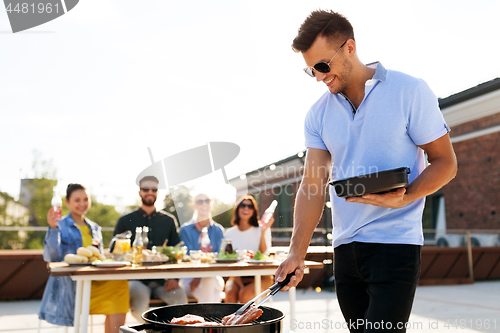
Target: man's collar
198, 227
144, 214
380, 71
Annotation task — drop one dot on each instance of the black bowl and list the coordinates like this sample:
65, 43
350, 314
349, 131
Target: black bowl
377, 182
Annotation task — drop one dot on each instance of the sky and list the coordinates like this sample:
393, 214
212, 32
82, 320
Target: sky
91, 90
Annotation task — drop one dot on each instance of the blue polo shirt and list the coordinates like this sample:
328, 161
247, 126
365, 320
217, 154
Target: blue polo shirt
398, 113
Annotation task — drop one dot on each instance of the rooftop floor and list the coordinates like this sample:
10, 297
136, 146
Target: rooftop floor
460, 308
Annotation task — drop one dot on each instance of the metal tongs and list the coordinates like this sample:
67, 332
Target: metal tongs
273, 290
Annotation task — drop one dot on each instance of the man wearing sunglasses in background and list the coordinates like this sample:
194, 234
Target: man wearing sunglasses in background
162, 226
370, 119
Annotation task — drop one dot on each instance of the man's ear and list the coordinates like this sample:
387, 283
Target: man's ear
350, 45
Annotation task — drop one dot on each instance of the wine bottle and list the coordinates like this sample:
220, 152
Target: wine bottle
137, 248
205, 240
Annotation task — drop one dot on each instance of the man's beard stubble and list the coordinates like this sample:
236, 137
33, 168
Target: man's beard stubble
148, 203
343, 80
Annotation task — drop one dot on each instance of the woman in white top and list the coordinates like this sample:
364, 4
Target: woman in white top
247, 234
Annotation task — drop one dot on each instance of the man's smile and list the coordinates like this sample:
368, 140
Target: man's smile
328, 82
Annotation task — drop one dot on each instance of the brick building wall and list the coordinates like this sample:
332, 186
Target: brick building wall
473, 197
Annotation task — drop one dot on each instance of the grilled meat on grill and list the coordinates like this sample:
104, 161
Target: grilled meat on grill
207, 323
187, 320
251, 314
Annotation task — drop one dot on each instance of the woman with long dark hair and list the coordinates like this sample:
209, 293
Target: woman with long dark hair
247, 233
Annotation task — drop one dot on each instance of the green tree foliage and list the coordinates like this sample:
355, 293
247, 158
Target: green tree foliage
182, 198
224, 218
41, 189
10, 239
40, 203
42, 192
102, 214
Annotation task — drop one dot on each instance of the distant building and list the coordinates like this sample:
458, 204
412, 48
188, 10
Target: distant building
280, 181
472, 199
26, 192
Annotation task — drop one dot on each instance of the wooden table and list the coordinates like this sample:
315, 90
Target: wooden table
84, 275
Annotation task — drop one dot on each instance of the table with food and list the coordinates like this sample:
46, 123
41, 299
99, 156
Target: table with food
171, 262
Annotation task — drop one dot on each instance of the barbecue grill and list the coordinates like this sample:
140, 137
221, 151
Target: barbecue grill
158, 320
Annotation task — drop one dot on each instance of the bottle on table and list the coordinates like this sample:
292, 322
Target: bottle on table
145, 239
56, 203
137, 248
205, 240
229, 247
268, 213
225, 246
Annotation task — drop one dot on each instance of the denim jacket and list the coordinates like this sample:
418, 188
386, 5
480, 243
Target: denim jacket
58, 301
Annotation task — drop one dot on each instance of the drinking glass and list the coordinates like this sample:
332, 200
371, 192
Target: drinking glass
195, 256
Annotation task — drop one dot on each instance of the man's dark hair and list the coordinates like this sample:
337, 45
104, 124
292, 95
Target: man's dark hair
326, 23
146, 178
72, 188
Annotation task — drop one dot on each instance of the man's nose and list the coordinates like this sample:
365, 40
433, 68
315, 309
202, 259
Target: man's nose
319, 76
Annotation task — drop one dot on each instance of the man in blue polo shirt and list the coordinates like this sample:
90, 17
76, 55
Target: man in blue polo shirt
371, 119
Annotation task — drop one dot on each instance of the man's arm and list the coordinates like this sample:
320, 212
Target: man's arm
441, 169
309, 206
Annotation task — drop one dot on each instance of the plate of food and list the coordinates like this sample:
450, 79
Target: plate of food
154, 262
262, 261
78, 263
111, 263
79, 259
260, 258
226, 260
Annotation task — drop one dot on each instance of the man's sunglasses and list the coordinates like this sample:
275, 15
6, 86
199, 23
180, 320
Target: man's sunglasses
145, 189
201, 202
250, 206
322, 66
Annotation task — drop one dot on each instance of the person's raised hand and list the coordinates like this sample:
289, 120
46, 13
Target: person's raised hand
53, 217
268, 225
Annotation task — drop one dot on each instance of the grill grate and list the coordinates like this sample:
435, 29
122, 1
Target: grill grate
211, 312
217, 319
